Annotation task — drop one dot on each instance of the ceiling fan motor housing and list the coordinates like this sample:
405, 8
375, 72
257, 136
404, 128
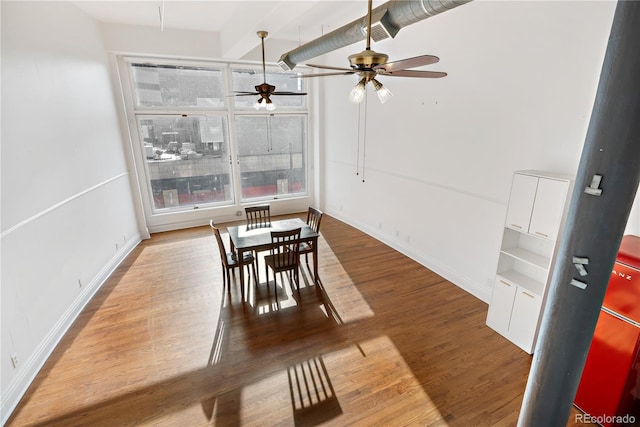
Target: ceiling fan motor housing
367, 59
265, 89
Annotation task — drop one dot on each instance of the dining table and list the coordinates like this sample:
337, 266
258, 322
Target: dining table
245, 239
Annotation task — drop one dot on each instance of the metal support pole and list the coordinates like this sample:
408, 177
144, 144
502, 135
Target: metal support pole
605, 187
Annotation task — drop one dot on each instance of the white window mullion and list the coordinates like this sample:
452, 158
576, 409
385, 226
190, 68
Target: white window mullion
233, 151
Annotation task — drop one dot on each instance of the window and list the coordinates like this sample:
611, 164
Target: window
177, 86
202, 146
271, 154
187, 160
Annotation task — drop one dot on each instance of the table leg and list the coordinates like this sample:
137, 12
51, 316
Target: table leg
241, 268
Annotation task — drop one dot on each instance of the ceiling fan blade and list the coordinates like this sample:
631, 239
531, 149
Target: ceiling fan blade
414, 73
403, 64
289, 93
328, 67
246, 93
344, 73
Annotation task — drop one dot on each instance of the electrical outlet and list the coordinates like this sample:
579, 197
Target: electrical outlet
14, 360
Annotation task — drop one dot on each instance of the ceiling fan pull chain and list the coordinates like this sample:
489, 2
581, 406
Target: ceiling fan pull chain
358, 148
364, 140
269, 141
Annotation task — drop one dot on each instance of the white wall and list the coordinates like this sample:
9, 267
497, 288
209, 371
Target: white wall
441, 153
67, 210
439, 156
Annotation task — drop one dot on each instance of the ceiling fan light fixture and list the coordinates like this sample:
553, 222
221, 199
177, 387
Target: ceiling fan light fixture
384, 94
357, 93
264, 103
270, 105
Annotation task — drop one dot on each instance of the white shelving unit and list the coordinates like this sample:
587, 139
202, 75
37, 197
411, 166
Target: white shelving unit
535, 216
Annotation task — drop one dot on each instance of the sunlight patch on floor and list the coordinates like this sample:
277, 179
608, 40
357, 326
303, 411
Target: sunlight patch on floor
334, 389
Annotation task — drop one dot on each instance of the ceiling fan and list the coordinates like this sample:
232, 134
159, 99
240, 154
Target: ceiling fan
368, 64
265, 90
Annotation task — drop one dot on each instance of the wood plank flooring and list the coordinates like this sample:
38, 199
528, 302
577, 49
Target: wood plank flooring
382, 341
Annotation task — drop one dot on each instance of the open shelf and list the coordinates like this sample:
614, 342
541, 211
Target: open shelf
529, 257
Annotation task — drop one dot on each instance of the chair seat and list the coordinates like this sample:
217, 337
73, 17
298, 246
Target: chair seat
232, 258
305, 247
280, 262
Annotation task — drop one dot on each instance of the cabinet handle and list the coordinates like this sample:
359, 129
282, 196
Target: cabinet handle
528, 294
516, 226
541, 234
505, 283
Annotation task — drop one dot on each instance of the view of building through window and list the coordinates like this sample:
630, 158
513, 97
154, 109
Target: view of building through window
201, 150
187, 160
271, 153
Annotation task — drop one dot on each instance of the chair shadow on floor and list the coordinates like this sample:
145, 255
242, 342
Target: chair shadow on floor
284, 318
312, 396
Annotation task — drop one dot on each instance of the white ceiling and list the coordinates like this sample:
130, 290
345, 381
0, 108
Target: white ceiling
292, 20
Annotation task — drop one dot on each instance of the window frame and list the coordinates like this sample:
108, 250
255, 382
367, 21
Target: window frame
147, 173
191, 215
304, 159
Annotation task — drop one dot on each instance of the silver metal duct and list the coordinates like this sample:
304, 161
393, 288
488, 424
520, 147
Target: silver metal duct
387, 19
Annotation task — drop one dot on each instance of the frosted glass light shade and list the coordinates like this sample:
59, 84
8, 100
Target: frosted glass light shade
357, 93
384, 94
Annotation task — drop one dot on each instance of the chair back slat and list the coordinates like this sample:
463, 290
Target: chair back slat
286, 247
314, 216
258, 216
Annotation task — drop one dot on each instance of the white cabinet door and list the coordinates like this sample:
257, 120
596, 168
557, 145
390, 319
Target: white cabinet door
502, 298
524, 321
548, 207
523, 194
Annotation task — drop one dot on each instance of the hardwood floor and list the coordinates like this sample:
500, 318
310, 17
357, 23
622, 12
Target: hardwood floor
382, 341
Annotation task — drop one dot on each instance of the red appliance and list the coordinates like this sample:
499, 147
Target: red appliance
609, 390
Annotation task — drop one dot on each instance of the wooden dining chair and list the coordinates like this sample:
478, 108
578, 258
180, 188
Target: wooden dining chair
314, 216
258, 216
230, 260
284, 254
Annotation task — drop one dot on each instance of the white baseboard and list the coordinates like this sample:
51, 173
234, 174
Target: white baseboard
36, 361
454, 277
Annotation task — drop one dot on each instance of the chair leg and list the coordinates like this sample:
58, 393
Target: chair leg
253, 267
228, 281
255, 257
